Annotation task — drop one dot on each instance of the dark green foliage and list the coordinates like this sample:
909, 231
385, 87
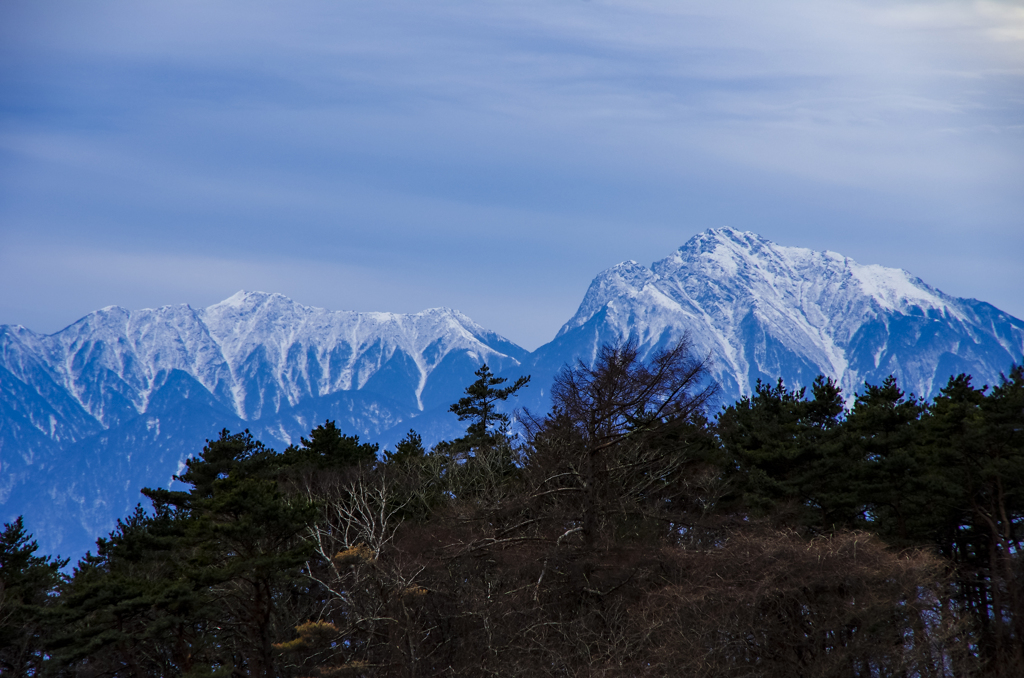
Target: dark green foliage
479, 407
202, 583
482, 460
881, 435
128, 610
27, 582
625, 534
784, 453
244, 537
973, 445
408, 450
946, 476
327, 447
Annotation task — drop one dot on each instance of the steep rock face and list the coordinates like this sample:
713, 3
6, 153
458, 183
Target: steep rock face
764, 311
117, 400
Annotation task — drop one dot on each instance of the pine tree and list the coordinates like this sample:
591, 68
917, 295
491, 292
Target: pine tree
973, 447
244, 540
479, 407
128, 609
784, 460
327, 447
881, 434
26, 584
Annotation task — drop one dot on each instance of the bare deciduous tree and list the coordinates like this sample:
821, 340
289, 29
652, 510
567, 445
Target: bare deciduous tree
621, 431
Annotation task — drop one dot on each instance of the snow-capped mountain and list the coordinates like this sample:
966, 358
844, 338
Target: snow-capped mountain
119, 399
764, 311
254, 353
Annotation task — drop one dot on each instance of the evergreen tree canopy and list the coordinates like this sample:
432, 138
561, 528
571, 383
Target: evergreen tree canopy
200, 583
408, 450
782, 445
479, 406
26, 584
328, 447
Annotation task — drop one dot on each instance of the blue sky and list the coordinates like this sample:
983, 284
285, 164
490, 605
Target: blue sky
493, 156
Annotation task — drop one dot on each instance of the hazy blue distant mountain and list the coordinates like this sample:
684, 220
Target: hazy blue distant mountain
119, 399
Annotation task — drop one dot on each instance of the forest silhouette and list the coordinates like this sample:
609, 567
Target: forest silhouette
629, 531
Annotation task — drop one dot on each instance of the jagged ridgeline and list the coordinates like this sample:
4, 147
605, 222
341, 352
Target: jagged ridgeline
119, 399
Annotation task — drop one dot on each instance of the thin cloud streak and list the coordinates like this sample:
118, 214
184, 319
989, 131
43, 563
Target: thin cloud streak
520, 146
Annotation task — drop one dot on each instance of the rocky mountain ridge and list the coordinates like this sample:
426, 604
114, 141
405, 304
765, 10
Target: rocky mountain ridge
764, 311
120, 398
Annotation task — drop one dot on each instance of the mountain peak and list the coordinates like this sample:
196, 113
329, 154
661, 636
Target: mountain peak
115, 401
626, 280
245, 300
444, 312
712, 238
766, 311
726, 257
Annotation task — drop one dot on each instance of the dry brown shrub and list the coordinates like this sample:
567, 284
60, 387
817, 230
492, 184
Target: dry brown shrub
771, 603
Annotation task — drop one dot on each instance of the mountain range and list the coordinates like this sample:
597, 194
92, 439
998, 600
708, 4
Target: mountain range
119, 399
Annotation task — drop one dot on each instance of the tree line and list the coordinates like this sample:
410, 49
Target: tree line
626, 532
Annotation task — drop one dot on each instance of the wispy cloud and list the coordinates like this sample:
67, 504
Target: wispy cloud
552, 138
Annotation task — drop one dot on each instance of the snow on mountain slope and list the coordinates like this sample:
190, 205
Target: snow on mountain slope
764, 311
117, 400
255, 353
306, 351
